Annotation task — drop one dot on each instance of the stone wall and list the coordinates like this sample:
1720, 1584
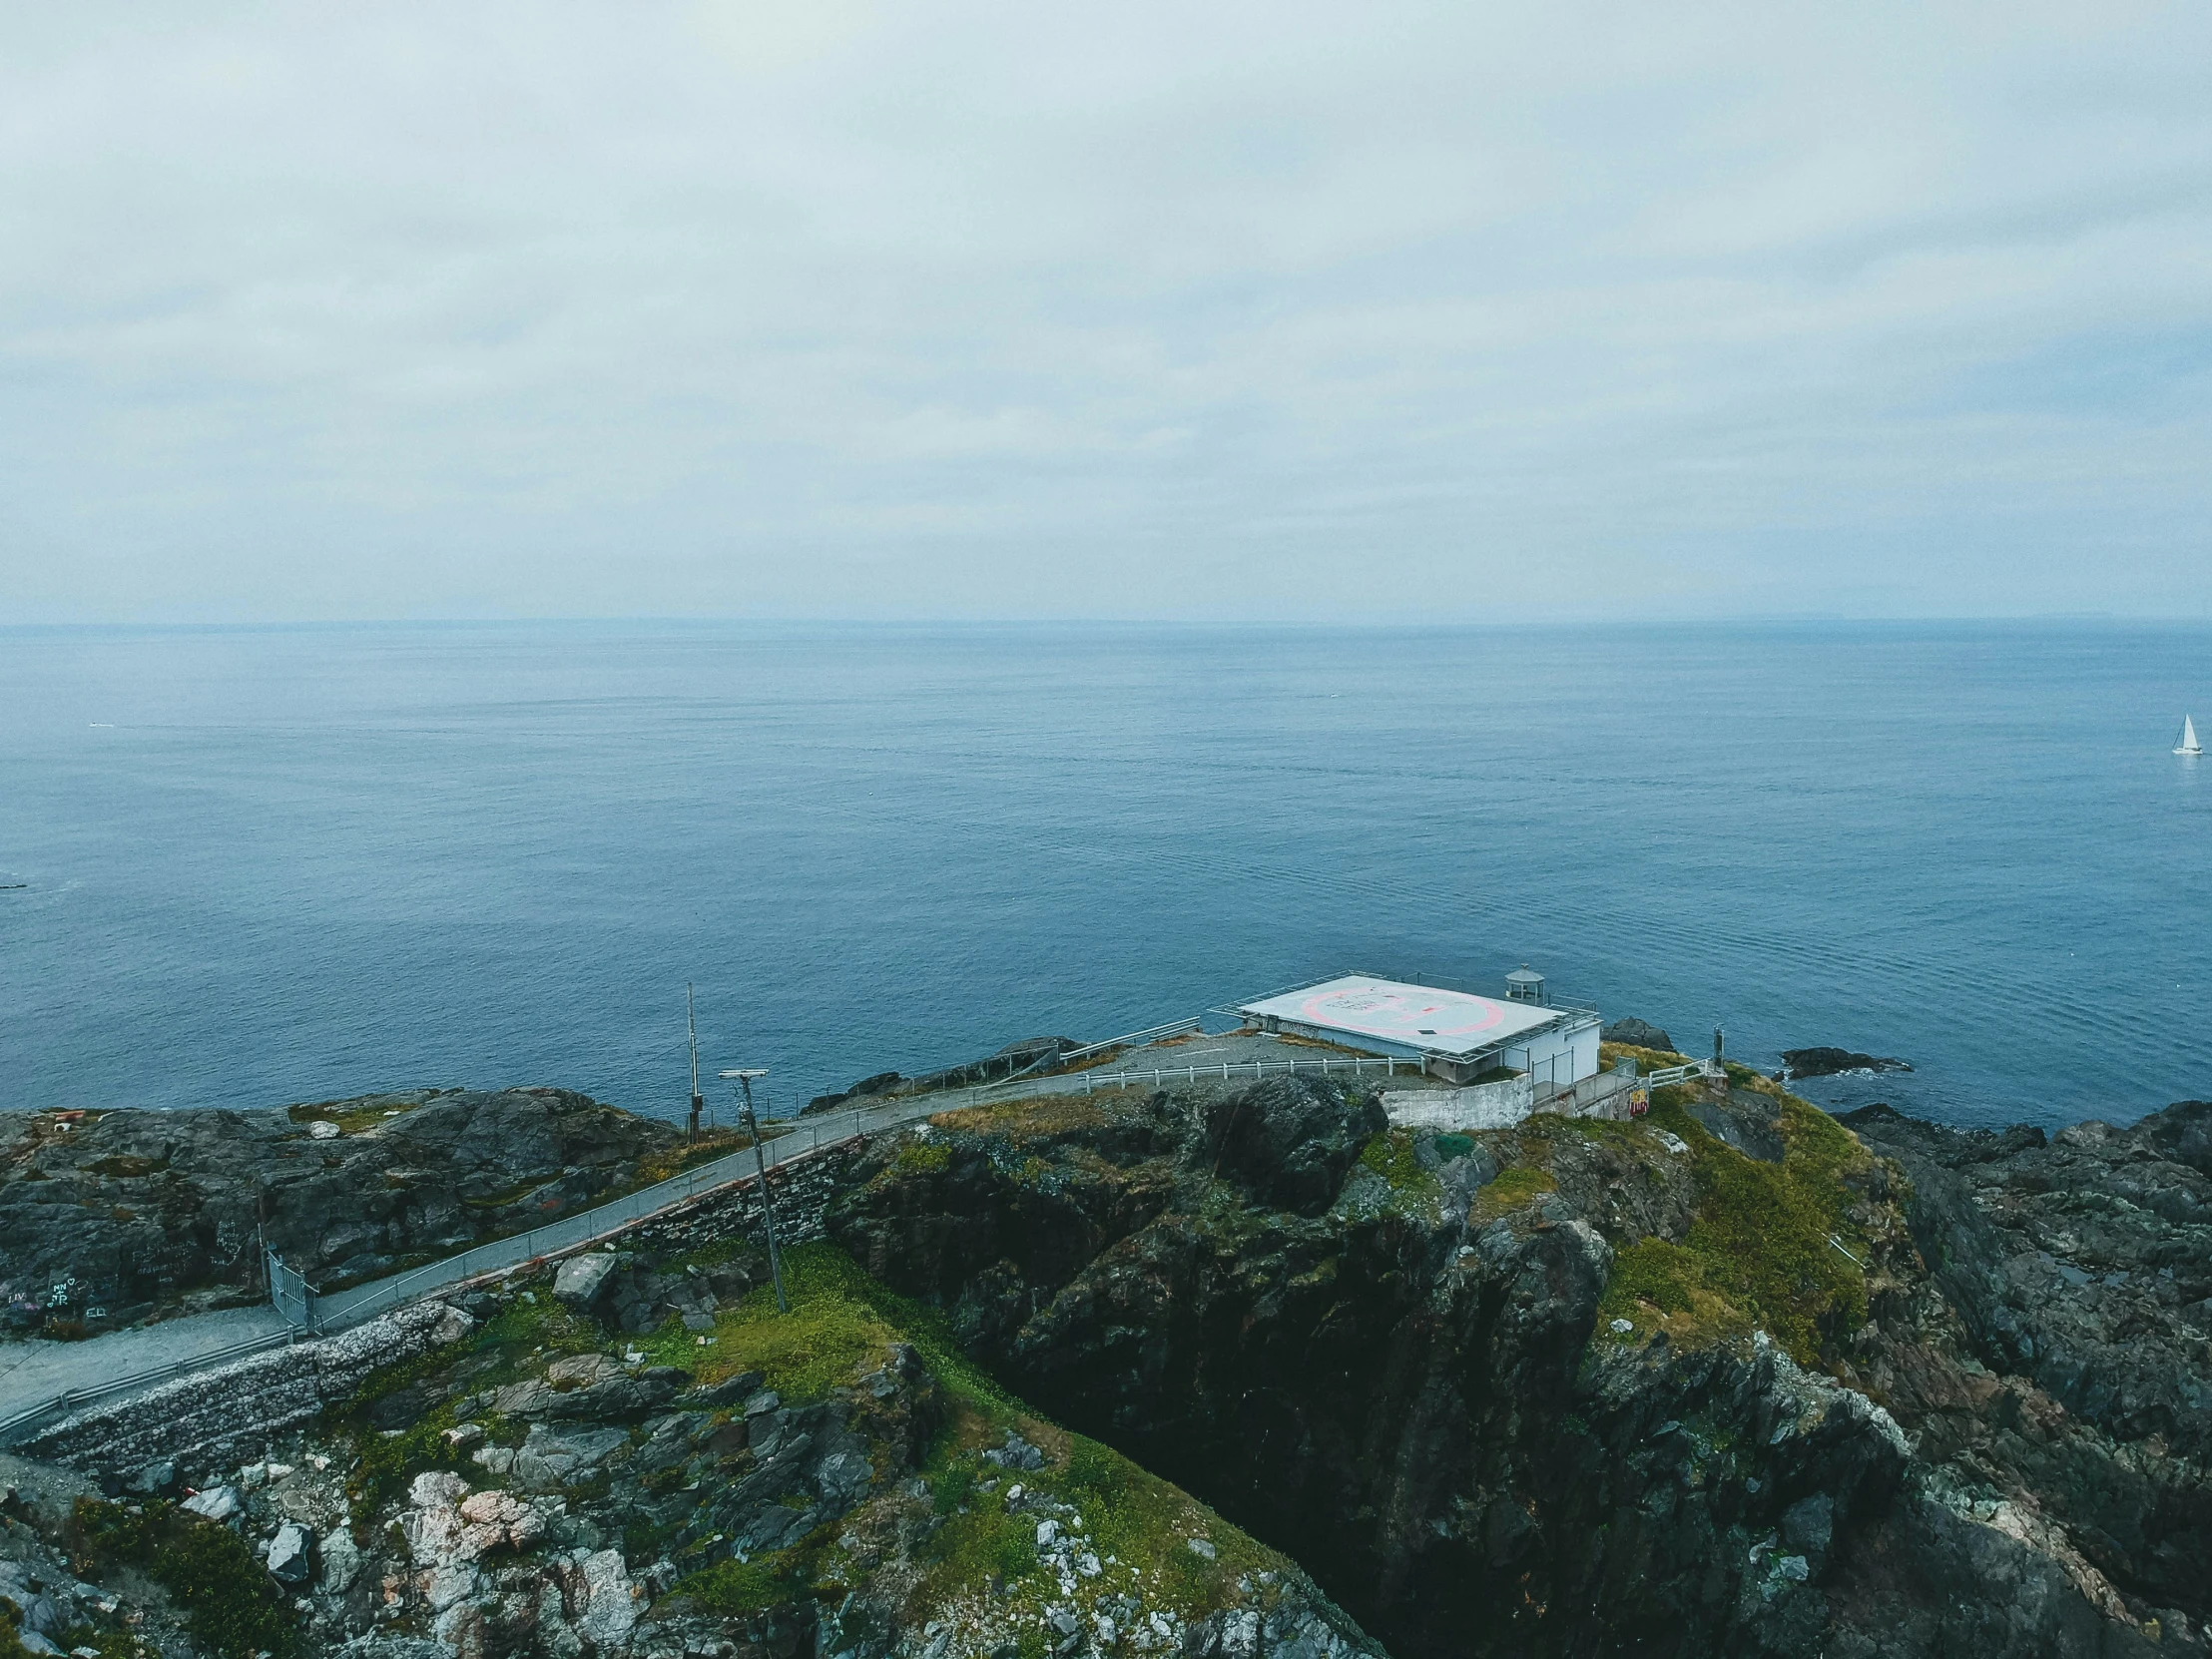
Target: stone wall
802, 1190
227, 1415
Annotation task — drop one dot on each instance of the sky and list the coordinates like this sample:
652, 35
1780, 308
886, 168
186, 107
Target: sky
1463, 312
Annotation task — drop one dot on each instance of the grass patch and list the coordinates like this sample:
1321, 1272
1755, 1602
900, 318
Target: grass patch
1127, 1513
832, 1334
1650, 1060
1391, 1155
1758, 1252
923, 1158
232, 1606
1658, 1286
1514, 1189
765, 1581
1134, 1515
1050, 1114
356, 1120
841, 1323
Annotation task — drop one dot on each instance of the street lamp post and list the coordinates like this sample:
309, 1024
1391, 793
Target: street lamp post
760, 1162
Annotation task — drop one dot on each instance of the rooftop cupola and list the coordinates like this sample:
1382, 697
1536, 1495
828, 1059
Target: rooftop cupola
1524, 985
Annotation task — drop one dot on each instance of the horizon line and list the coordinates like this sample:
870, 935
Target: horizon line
1311, 624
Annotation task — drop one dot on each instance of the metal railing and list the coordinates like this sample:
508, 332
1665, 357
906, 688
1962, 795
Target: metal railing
338, 1309
1226, 1070
1133, 1039
585, 1227
17, 1426
290, 1294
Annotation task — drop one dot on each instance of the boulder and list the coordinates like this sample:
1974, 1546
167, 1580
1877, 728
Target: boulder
1746, 1121
156, 1480
217, 1504
2183, 1134
1016, 1453
582, 1278
290, 1553
610, 1601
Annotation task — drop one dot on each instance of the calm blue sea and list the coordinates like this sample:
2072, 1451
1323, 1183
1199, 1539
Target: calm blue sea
272, 865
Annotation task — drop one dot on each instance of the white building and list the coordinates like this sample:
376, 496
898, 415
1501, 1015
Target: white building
1455, 1035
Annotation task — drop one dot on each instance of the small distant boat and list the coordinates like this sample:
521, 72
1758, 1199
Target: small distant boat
2188, 743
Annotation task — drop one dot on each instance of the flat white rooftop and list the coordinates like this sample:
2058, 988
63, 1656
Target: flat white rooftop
1414, 1016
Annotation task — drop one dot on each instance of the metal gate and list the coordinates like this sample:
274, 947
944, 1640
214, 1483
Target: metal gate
292, 1294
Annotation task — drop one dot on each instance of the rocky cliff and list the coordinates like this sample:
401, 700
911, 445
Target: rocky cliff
1725, 1379
742, 1483
1112, 1375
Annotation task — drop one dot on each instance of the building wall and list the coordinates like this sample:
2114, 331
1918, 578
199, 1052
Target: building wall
1557, 1058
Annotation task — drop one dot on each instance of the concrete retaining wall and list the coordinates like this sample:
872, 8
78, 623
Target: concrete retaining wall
1482, 1106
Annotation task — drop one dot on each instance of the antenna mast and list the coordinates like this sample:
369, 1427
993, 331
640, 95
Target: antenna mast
690, 1024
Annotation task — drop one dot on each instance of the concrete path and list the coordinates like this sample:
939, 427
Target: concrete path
31, 1371
34, 1374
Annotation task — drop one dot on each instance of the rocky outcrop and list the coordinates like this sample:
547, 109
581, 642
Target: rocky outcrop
1833, 1062
143, 1211
1396, 1385
1031, 1054
1725, 1379
2074, 1405
1636, 1033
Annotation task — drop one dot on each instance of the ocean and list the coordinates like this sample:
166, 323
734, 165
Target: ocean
253, 866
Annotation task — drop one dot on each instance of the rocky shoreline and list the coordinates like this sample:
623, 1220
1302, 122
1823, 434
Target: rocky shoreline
1219, 1371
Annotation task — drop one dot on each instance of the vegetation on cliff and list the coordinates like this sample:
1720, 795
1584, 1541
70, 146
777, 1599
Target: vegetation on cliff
1778, 1247
1071, 1372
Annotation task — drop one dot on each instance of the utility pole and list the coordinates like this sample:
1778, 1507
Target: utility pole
691, 1026
767, 1202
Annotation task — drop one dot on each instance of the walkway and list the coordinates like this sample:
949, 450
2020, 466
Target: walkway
48, 1379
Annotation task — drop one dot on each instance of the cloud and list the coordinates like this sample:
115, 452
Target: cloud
1281, 310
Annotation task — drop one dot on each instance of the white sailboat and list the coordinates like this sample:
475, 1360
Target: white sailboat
2188, 743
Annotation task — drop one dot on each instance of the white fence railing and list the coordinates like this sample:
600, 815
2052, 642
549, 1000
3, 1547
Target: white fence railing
1133, 1039
1681, 1075
1227, 1070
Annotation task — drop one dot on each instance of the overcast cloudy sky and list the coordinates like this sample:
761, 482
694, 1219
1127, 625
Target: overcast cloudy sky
814, 308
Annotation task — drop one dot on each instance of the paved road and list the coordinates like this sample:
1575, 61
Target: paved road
37, 1371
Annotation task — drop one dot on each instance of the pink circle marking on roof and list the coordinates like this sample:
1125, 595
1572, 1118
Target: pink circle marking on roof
1401, 1014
